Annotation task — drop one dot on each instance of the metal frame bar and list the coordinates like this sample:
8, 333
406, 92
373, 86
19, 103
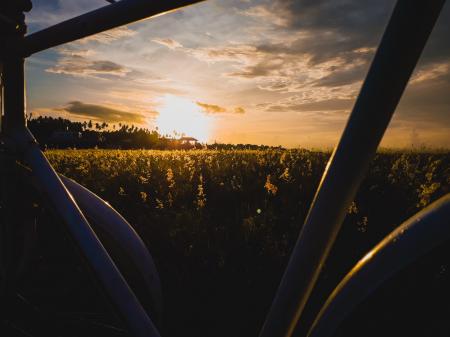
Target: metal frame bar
104, 18
411, 240
13, 94
23, 143
104, 216
400, 48
90, 246
396, 57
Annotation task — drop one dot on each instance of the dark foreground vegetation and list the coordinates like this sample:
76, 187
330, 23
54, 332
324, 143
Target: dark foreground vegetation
221, 224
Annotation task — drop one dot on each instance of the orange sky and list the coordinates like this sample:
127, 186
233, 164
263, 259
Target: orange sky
277, 72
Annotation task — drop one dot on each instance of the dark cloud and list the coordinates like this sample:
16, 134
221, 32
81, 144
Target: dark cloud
266, 67
427, 101
340, 77
348, 17
78, 63
339, 27
103, 113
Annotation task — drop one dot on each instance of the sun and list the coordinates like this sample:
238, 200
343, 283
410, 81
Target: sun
183, 116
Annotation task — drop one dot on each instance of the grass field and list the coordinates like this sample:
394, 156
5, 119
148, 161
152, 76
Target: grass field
221, 224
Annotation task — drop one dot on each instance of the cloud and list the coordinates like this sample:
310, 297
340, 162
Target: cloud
339, 26
435, 71
287, 66
328, 105
291, 65
169, 43
216, 109
237, 53
264, 12
79, 63
341, 76
103, 113
109, 36
342, 34
211, 108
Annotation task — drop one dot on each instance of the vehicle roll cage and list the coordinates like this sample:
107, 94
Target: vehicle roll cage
396, 57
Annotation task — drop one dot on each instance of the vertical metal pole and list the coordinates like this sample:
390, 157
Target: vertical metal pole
14, 94
12, 31
399, 50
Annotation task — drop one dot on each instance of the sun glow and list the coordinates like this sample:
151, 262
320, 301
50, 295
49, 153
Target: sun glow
183, 117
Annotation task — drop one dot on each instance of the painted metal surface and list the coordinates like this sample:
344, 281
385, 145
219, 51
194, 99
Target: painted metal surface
397, 55
411, 240
399, 50
111, 222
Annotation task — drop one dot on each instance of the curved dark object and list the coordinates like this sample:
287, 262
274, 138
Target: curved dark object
123, 234
414, 238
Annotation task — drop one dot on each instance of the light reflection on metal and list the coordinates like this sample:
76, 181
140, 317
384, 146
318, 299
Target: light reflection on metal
413, 239
103, 215
394, 62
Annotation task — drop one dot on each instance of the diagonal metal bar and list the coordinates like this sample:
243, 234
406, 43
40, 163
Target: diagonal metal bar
110, 16
401, 46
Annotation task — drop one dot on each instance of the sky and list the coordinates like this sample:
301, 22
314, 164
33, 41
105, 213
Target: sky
279, 72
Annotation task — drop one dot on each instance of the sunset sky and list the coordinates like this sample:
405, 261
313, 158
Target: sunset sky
278, 72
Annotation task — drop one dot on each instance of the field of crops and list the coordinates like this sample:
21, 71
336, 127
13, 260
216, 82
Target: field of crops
221, 224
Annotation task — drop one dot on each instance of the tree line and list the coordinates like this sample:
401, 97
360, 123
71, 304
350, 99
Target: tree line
62, 133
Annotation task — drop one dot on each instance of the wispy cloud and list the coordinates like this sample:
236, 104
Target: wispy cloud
217, 109
169, 43
266, 14
109, 36
435, 71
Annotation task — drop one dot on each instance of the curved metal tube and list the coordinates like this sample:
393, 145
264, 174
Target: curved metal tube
96, 256
110, 221
415, 237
